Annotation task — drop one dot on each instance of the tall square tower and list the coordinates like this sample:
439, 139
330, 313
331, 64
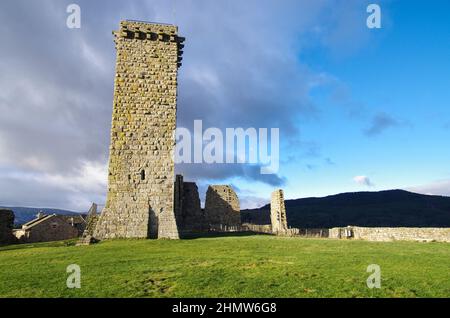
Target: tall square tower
140, 201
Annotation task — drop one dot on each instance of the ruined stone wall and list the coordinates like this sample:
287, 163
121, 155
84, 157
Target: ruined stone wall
278, 213
178, 198
257, 228
140, 201
6, 226
314, 233
291, 232
91, 222
386, 234
193, 218
189, 214
222, 207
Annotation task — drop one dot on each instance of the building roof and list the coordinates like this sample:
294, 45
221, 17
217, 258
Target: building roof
37, 221
71, 219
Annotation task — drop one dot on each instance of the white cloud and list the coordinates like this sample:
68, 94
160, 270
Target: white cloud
252, 202
363, 180
75, 190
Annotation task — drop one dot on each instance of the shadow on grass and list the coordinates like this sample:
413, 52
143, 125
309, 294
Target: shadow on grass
34, 245
194, 236
190, 236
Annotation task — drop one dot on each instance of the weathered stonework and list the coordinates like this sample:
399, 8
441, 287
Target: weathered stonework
140, 201
386, 234
222, 207
257, 228
6, 226
278, 213
189, 214
91, 222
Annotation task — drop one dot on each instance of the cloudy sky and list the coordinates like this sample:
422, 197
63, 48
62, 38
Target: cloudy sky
358, 109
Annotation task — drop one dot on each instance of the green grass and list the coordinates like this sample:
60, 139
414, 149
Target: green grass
241, 266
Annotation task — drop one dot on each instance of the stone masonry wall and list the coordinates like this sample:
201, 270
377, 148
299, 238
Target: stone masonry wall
278, 213
189, 214
91, 222
385, 234
6, 226
222, 207
257, 228
140, 201
178, 198
193, 218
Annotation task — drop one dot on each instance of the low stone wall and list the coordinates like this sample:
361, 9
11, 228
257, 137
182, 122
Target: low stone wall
257, 228
291, 232
386, 234
313, 233
224, 228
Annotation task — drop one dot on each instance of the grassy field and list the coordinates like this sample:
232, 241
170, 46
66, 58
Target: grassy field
234, 266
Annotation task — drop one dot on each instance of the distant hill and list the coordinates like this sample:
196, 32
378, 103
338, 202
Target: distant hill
24, 215
394, 208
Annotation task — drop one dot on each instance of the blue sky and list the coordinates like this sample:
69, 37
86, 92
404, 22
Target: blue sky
349, 101
400, 72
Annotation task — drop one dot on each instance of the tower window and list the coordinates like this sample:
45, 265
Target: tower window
143, 175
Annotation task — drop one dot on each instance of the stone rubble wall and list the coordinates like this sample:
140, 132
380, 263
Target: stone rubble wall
314, 233
222, 207
290, 232
193, 216
140, 201
189, 214
220, 228
6, 227
178, 198
278, 213
385, 234
91, 222
257, 228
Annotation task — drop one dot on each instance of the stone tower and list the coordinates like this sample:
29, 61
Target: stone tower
278, 213
140, 202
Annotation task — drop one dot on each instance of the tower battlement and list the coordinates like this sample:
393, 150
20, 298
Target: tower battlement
149, 31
